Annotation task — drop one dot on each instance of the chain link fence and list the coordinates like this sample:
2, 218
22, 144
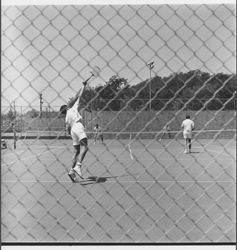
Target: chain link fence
158, 63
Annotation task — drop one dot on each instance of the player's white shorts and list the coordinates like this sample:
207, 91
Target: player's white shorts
97, 134
78, 133
187, 134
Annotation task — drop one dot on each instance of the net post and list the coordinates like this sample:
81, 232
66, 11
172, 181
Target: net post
14, 135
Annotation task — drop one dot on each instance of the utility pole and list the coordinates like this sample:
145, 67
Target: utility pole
151, 66
14, 125
14, 111
41, 102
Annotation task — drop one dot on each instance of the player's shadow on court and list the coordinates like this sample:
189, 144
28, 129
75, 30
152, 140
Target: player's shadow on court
95, 179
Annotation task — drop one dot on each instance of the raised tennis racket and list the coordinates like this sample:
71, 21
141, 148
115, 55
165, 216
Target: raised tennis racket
94, 73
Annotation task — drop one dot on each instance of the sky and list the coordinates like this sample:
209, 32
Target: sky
50, 49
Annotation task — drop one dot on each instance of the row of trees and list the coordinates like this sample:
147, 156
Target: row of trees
193, 90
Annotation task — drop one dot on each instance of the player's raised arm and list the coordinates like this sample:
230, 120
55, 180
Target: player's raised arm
75, 101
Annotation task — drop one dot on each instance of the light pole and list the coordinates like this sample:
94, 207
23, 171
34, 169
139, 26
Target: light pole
151, 66
14, 125
41, 102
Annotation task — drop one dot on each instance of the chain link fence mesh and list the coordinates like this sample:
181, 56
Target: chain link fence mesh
141, 188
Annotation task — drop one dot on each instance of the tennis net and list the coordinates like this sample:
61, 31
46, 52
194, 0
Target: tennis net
131, 135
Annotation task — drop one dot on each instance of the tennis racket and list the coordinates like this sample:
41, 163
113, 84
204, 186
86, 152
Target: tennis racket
94, 73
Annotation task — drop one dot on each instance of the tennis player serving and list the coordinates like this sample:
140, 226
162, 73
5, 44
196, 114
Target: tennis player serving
75, 127
188, 127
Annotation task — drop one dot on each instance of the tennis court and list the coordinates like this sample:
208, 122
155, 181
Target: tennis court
145, 191
137, 71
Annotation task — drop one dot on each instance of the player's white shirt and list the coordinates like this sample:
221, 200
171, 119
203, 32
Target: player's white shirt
97, 130
166, 129
187, 125
73, 115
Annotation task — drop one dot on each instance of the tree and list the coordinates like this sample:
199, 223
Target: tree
191, 89
113, 94
32, 113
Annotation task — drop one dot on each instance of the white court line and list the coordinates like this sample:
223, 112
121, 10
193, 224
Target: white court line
130, 151
114, 181
129, 147
48, 147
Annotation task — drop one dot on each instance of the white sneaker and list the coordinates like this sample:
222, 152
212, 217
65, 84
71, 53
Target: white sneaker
72, 175
77, 169
185, 151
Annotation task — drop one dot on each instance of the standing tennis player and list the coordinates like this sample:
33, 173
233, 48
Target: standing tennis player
98, 133
187, 126
166, 130
75, 127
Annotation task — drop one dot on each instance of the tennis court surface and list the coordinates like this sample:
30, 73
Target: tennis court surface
137, 74
139, 190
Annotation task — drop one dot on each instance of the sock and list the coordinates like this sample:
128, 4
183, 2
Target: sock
77, 168
71, 171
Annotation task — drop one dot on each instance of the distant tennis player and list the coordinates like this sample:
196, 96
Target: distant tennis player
165, 131
98, 133
187, 126
75, 127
